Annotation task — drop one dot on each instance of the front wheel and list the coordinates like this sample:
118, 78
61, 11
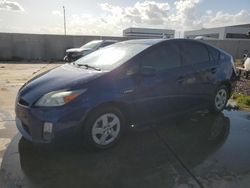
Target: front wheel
219, 100
103, 128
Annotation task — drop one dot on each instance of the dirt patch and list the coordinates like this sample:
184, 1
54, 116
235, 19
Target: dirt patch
243, 86
3, 89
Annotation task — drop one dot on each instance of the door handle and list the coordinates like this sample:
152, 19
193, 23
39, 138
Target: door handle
213, 70
128, 91
180, 79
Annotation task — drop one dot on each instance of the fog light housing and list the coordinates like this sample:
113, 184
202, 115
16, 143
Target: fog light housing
48, 131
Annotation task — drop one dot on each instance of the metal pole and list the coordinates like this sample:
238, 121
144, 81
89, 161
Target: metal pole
64, 18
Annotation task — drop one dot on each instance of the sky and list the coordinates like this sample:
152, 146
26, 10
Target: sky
103, 17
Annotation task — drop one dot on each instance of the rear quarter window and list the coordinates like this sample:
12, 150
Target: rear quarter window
213, 53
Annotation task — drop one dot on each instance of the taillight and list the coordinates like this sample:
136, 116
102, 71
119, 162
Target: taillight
233, 65
235, 75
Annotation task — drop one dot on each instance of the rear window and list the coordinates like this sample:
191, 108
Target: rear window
106, 44
193, 53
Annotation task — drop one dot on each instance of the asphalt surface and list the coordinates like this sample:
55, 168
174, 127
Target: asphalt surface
198, 150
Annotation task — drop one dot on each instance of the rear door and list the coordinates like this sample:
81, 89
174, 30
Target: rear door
197, 73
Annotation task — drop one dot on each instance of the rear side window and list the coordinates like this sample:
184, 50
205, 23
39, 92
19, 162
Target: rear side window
162, 57
106, 44
193, 52
213, 53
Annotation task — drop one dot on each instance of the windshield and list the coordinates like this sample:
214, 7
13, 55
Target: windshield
112, 56
92, 44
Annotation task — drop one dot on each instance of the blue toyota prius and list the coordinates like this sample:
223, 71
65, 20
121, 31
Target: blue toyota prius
131, 82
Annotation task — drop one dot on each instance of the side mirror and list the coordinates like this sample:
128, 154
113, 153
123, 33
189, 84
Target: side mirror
148, 71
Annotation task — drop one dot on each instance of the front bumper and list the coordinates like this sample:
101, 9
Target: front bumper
32, 122
26, 133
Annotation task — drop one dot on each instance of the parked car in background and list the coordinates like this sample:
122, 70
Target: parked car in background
131, 82
73, 54
205, 38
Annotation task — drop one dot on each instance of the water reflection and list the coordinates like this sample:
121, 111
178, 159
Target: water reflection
196, 137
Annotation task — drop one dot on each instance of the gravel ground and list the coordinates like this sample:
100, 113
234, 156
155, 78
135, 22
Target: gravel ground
243, 86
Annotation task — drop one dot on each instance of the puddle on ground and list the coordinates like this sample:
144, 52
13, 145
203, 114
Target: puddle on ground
215, 148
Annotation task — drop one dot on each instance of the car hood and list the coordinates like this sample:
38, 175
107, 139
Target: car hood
78, 50
64, 77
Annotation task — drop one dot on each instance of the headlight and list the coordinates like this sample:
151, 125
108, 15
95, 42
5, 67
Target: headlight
58, 98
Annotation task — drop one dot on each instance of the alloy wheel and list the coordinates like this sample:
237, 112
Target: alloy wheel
221, 99
106, 129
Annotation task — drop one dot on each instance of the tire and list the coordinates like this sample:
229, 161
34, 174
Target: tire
219, 99
98, 131
245, 74
238, 72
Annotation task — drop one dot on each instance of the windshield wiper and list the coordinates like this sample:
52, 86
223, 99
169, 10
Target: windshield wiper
89, 67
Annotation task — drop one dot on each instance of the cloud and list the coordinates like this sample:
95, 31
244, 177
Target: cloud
10, 6
147, 12
180, 15
222, 18
57, 13
87, 24
185, 16
154, 14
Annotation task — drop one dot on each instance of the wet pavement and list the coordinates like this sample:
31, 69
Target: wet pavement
12, 76
199, 150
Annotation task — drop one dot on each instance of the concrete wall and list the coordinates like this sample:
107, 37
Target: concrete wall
234, 47
52, 47
41, 47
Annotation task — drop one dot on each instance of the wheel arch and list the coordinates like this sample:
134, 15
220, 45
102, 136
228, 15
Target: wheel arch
228, 85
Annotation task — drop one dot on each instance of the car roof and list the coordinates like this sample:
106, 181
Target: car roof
152, 42
144, 41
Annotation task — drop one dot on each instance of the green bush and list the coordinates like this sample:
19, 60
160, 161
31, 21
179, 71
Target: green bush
242, 100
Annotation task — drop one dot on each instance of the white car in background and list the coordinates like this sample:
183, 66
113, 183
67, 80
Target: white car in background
73, 54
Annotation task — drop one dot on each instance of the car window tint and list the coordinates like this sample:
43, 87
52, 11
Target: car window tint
193, 53
162, 57
106, 44
132, 70
214, 54
112, 56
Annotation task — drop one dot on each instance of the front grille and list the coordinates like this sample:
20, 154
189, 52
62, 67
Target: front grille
70, 55
23, 102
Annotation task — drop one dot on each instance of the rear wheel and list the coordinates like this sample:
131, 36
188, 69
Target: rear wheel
245, 74
103, 128
219, 99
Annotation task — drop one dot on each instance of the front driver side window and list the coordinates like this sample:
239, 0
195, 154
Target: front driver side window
162, 57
